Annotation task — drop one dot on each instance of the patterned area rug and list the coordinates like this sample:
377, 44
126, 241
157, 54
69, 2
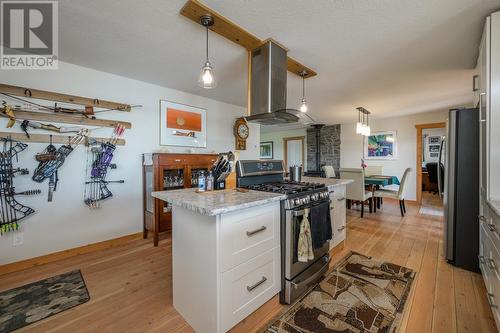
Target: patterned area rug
360, 295
35, 301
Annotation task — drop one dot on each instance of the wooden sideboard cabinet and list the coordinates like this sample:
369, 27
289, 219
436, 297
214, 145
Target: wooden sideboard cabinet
165, 171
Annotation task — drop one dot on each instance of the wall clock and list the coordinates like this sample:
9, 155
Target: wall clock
241, 133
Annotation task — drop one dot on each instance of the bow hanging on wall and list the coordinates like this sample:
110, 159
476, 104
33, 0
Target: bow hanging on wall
99, 156
11, 211
51, 159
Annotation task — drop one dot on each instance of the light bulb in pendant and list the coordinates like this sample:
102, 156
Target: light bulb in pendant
207, 79
359, 128
303, 106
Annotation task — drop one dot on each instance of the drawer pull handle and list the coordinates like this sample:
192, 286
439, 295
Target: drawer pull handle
177, 160
252, 287
482, 218
491, 301
481, 259
256, 231
340, 229
491, 264
341, 199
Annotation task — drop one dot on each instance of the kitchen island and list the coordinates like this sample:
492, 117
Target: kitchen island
225, 254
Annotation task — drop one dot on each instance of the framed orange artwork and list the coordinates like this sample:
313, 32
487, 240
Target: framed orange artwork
182, 125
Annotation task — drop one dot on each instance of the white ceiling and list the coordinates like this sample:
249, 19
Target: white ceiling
393, 57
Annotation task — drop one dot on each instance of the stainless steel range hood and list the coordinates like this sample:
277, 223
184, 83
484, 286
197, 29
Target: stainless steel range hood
268, 75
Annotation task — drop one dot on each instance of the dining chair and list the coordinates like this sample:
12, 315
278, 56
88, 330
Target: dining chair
328, 171
356, 191
375, 170
372, 170
399, 194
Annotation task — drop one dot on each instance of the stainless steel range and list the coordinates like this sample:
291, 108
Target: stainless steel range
297, 277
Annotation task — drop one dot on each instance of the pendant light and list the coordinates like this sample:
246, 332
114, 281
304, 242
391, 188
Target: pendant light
367, 127
207, 78
359, 124
362, 126
303, 105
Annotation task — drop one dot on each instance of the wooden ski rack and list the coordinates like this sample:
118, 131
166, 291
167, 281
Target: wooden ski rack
66, 118
56, 139
62, 98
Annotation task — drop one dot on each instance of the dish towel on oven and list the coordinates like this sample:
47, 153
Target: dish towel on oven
304, 246
321, 226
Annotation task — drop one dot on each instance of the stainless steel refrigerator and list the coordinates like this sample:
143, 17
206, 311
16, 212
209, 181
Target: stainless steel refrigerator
461, 189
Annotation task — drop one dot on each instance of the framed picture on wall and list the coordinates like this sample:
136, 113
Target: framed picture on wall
266, 150
182, 125
381, 146
434, 140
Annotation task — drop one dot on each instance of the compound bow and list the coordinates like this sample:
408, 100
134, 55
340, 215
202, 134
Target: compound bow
53, 159
11, 211
99, 158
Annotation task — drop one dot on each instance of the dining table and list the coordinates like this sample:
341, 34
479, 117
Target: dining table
374, 182
381, 180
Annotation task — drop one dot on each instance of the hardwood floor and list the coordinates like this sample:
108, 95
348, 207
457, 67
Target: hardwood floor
130, 286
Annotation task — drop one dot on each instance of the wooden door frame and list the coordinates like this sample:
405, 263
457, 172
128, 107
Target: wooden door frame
285, 149
419, 128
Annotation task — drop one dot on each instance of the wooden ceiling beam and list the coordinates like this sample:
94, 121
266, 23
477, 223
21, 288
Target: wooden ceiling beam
194, 9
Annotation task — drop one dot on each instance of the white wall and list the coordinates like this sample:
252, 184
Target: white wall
351, 148
277, 138
67, 222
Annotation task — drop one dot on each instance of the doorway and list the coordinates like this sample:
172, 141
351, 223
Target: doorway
294, 149
429, 155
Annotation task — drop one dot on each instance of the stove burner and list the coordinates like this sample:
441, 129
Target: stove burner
285, 187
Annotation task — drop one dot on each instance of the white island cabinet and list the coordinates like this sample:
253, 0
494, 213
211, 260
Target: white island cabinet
226, 255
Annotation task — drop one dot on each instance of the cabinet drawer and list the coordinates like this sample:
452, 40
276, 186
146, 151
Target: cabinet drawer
490, 268
248, 233
491, 224
484, 252
248, 286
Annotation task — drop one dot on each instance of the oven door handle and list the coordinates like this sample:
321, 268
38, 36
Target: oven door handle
302, 211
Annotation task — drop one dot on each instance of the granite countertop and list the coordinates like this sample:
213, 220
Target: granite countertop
217, 202
331, 183
495, 205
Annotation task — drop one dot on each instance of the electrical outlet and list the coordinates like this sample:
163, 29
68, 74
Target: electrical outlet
18, 239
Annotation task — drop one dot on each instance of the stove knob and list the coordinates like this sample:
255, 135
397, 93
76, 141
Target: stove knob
296, 202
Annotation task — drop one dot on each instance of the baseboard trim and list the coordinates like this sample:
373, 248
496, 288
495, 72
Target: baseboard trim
337, 248
48, 258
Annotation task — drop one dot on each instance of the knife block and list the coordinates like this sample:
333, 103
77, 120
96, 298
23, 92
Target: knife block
231, 181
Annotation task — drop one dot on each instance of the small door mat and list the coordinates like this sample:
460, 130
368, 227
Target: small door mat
30, 303
361, 294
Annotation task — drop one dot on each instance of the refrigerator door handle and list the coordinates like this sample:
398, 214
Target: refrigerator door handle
439, 176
